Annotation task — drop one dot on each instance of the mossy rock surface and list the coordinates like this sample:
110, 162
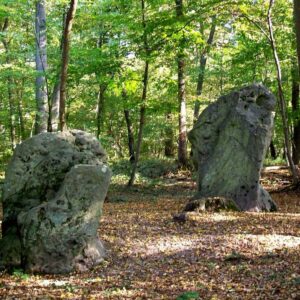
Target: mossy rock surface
53, 194
229, 143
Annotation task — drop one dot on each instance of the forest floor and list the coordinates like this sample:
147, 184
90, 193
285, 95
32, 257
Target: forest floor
214, 256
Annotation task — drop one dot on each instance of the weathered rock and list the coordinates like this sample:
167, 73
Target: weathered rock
53, 194
229, 143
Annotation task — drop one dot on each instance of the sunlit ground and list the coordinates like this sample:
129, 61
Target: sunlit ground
218, 255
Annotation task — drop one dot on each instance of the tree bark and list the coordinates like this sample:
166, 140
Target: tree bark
144, 98
55, 96
297, 27
55, 101
202, 67
12, 129
296, 114
130, 135
182, 139
11, 110
20, 112
282, 102
130, 132
100, 108
65, 62
273, 150
169, 139
41, 93
141, 124
295, 93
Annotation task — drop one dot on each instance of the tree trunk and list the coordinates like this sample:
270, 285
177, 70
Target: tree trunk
296, 114
20, 112
282, 103
297, 27
182, 139
130, 132
65, 62
202, 67
273, 150
295, 94
55, 97
11, 112
144, 98
41, 93
55, 101
141, 124
169, 139
130, 135
12, 129
100, 108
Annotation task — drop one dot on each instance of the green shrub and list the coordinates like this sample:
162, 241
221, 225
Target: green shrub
150, 168
188, 296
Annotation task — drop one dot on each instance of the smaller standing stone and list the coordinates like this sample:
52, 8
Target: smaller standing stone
229, 143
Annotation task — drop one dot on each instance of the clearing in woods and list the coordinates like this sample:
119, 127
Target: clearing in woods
213, 256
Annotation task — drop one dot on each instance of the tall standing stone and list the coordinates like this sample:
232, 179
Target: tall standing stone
229, 143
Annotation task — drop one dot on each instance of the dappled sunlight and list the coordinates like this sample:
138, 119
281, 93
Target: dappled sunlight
218, 246
223, 217
272, 242
51, 282
226, 255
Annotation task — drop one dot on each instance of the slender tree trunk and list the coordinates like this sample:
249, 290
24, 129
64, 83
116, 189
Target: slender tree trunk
202, 67
141, 124
11, 113
182, 142
144, 98
282, 103
182, 139
55, 96
12, 129
295, 95
130, 132
100, 108
297, 28
130, 135
55, 101
65, 62
296, 114
20, 112
41, 94
169, 139
273, 150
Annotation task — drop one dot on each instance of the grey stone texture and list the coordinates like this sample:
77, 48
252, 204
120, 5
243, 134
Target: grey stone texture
229, 143
53, 194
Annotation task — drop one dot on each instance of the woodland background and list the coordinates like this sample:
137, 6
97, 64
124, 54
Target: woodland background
125, 63
136, 73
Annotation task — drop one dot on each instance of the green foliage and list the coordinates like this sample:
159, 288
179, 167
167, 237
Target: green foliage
20, 275
279, 161
296, 281
149, 170
234, 256
154, 168
107, 51
188, 296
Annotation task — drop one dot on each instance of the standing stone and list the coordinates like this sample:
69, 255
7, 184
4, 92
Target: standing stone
229, 143
53, 194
